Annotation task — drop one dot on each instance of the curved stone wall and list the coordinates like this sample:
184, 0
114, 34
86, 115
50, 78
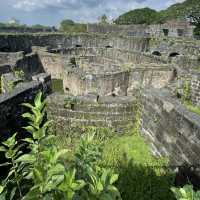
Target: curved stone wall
114, 113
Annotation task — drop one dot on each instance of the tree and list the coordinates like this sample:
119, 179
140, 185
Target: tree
71, 27
65, 24
138, 16
103, 19
194, 15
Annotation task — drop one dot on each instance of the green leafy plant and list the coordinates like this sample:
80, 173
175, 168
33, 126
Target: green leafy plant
88, 154
101, 186
12, 152
186, 193
99, 181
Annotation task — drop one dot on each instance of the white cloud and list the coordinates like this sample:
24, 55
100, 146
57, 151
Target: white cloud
86, 9
171, 2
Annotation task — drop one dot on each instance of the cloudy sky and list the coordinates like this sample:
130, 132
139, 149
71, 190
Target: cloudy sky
51, 12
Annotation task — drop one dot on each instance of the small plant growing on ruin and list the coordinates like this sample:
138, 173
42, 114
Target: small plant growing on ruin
186, 91
186, 193
19, 74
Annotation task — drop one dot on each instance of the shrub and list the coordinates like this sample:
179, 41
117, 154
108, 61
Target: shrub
186, 193
44, 168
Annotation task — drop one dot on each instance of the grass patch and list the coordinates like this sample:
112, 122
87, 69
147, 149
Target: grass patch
57, 85
141, 175
192, 108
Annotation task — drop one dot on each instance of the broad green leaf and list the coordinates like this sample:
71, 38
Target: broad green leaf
28, 105
1, 189
30, 129
26, 158
114, 178
60, 154
2, 149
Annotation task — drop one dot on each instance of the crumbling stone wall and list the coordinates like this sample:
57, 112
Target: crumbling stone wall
26, 30
170, 129
195, 89
30, 64
53, 64
4, 68
146, 76
115, 113
120, 83
10, 103
168, 46
173, 29
6, 58
24, 42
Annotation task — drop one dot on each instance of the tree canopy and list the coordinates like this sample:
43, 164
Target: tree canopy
70, 26
103, 19
189, 8
138, 16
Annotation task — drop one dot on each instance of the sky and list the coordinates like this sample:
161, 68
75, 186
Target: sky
52, 12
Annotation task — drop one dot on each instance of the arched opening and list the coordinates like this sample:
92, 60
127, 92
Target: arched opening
175, 74
156, 53
113, 94
78, 45
108, 46
97, 98
174, 54
72, 105
67, 89
166, 32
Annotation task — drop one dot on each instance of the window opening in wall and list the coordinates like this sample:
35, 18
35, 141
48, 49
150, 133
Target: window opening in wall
174, 54
78, 45
97, 98
108, 46
156, 53
67, 89
166, 32
113, 95
180, 32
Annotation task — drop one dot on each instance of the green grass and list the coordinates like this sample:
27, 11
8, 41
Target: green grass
192, 108
133, 147
141, 175
57, 85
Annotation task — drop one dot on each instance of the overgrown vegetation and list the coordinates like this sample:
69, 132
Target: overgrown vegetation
70, 26
186, 193
186, 98
99, 166
57, 85
184, 10
44, 169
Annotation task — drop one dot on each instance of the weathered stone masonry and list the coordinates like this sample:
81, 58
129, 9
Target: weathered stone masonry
170, 129
10, 103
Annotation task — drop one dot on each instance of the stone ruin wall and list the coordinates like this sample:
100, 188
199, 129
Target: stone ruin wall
195, 89
29, 64
25, 30
53, 64
167, 137
114, 113
170, 129
174, 29
24, 42
10, 103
